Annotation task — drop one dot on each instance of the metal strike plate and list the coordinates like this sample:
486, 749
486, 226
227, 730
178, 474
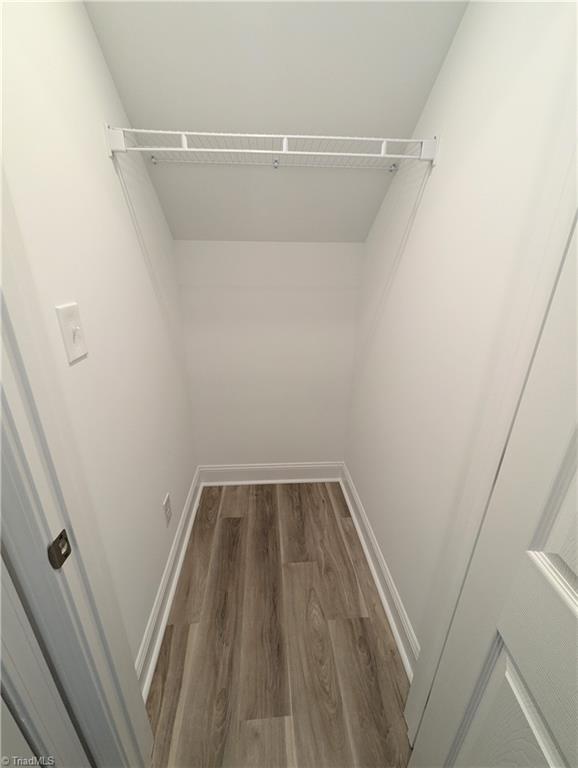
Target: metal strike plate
59, 550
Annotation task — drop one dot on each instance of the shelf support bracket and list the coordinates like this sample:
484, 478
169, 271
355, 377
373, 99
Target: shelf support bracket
115, 140
429, 150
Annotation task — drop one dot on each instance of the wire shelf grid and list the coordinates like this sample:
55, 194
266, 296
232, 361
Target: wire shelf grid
269, 149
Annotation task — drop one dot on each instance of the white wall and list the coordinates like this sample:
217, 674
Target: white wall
449, 302
72, 233
452, 292
269, 331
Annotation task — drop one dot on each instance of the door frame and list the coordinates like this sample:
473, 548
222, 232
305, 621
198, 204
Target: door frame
74, 611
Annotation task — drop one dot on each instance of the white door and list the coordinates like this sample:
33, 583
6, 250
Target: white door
35, 718
505, 693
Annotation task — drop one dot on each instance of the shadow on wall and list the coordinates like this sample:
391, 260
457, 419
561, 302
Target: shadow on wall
134, 181
467, 509
498, 399
414, 176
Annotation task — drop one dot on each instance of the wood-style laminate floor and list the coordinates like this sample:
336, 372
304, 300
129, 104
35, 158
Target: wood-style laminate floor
277, 653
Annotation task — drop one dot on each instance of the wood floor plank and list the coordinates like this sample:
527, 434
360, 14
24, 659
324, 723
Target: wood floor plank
264, 681
377, 738
292, 661
165, 689
190, 591
293, 525
338, 500
209, 701
263, 744
341, 593
235, 501
319, 725
392, 665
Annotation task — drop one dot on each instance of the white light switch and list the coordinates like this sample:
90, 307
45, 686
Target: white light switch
72, 335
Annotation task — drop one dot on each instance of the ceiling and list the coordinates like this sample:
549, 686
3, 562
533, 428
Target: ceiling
355, 68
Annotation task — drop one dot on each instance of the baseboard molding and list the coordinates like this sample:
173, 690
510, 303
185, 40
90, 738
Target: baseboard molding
401, 627
153, 635
239, 474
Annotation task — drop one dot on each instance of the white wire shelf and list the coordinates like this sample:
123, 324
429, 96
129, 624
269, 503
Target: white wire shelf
275, 150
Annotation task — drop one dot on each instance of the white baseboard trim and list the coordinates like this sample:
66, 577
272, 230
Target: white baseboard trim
239, 474
401, 627
153, 635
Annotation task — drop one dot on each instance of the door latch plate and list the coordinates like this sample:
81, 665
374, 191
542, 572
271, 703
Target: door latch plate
59, 550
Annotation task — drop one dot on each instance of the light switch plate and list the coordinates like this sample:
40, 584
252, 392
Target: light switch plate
72, 333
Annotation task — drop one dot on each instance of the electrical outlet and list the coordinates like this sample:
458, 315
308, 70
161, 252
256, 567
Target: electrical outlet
167, 508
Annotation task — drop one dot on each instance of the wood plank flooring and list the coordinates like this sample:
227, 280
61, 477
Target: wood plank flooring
277, 653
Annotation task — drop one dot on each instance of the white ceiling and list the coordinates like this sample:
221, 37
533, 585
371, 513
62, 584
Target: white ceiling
357, 68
